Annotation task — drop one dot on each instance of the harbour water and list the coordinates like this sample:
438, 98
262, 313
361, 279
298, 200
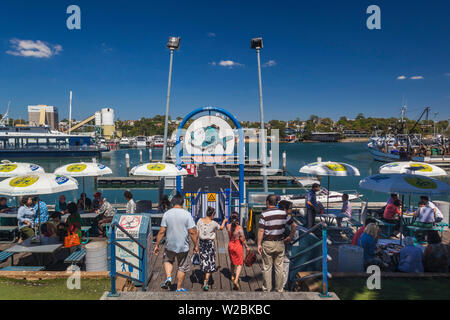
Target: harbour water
298, 154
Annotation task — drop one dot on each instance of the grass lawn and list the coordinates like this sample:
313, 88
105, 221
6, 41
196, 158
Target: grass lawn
392, 289
54, 289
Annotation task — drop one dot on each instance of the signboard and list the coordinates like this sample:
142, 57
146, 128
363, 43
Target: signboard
211, 197
122, 254
209, 139
131, 224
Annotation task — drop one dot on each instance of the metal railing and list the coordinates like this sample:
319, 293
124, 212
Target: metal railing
113, 272
323, 256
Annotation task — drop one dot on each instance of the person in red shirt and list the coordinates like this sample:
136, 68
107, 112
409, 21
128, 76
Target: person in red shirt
361, 230
392, 211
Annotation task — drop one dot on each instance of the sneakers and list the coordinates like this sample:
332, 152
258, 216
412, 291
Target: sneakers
166, 284
182, 290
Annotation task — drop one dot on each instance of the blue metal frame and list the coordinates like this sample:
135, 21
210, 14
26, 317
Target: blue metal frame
241, 145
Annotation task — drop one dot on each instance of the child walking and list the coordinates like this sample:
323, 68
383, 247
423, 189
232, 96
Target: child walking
235, 248
206, 228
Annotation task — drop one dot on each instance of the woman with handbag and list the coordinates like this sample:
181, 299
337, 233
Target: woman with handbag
235, 248
206, 228
73, 227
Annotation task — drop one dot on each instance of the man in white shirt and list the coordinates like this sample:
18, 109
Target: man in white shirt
131, 205
438, 214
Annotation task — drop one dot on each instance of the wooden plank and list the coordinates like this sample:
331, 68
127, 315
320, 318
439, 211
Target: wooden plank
225, 271
37, 275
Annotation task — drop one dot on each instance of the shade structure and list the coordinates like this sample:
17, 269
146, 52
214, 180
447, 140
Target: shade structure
84, 169
37, 184
406, 184
330, 168
413, 167
13, 169
158, 170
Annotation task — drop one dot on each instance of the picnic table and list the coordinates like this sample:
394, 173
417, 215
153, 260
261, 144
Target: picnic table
391, 251
34, 246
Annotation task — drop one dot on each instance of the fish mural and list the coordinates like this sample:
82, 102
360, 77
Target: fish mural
208, 138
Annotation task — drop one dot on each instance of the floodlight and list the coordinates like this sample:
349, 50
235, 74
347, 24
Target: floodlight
256, 43
173, 43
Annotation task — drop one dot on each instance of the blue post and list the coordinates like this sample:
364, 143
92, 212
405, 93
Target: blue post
112, 272
324, 293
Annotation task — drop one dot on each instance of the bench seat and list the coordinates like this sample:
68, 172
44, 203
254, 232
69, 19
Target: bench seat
76, 257
4, 255
22, 268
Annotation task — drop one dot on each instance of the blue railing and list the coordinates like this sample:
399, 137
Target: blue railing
324, 257
113, 272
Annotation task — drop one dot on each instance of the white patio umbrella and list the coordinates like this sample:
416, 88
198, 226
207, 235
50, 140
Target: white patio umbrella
37, 184
405, 184
330, 168
13, 169
83, 169
413, 167
158, 170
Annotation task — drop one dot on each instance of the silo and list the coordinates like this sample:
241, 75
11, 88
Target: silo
107, 117
98, 119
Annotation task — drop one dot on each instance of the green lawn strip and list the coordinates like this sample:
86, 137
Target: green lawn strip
53, 289
392, 289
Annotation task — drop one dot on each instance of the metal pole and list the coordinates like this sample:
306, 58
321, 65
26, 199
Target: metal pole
169, 85
70, 113
262, 134
127, 163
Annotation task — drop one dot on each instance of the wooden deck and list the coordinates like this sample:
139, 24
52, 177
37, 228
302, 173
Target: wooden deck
250, 279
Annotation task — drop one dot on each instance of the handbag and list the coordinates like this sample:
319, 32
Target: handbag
71, 240
250, 258
196, 259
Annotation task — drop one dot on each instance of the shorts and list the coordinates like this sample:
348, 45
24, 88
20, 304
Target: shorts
184, 263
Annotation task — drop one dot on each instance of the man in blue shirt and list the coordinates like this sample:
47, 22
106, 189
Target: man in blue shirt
177, 224
311, 205
410, 257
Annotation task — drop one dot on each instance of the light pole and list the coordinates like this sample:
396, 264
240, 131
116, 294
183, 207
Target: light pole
257, 43
173, 44
435, 115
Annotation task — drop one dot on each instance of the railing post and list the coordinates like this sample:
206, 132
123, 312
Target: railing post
112, 239
324, 293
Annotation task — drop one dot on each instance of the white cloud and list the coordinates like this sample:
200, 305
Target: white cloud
270, 63
447, 74
35, 49
416, 77
211, 35
401, 77
229, 63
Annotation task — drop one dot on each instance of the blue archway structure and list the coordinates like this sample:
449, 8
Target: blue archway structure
241, 147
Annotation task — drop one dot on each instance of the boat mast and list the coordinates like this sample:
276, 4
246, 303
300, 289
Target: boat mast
4, 121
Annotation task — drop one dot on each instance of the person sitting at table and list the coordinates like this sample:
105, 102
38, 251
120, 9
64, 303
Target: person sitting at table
410, 257
437, 213
61, 205
435, 257
73, 222
392, 198
41, 211
25, 217
346, 210
84, 203
49, 230
392, 213
96, 201
361, 230
3, 205
425, 216
368, 241
165, 203
55, 219
104, 215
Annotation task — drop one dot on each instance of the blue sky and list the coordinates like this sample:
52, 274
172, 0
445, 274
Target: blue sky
319, 57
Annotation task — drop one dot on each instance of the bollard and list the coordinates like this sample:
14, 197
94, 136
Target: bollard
127, 162
140, 156
149, 155
284, 162
319, 159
